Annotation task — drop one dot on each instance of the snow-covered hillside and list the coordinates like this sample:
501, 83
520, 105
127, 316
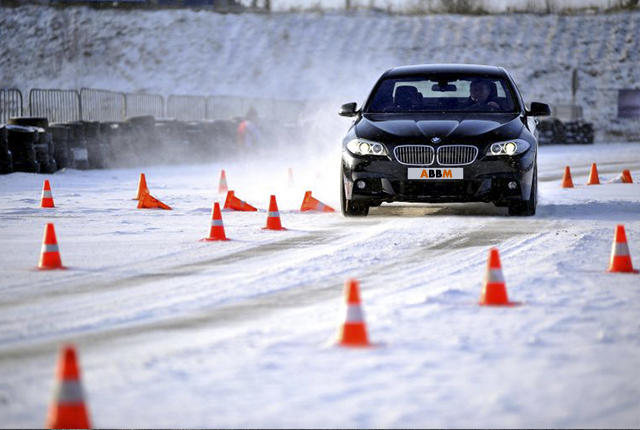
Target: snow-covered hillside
328, 56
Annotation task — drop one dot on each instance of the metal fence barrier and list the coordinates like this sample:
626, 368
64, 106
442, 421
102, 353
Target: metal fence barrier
224, 107
56, 105
10, 104
101, 105
143, 104
187, 108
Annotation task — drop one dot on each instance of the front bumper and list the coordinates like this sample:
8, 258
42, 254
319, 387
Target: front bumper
485, 180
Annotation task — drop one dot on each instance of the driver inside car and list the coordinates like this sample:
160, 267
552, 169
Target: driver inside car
480, 96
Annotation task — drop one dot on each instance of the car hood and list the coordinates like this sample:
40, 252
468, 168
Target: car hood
420, 128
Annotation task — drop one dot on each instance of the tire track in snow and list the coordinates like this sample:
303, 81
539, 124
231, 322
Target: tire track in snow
84, 285
225, 313
136, 297
312, 292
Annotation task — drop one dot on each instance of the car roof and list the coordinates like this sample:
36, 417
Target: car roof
420, 69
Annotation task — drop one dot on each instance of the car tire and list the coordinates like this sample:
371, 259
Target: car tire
349, 207
527, 207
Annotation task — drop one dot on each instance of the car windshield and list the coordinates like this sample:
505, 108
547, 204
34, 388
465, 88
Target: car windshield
442, 93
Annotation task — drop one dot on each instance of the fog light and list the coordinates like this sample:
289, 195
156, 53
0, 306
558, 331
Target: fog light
512, 185
361, 184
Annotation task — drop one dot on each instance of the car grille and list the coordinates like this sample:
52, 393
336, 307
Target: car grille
414, 155
456, 155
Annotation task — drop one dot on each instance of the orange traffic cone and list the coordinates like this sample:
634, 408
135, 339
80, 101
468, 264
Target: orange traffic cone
50, 254
147, 201
620, 256
626, 177
273, 220
291, 181
217, 228
309, 203
567, 182
222, 187
142, 186
494, 292
593, 176
353, 330
67, 409
234, 203
47, 198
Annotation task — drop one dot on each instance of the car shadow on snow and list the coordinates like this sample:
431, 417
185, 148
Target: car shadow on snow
439, 209
611, 211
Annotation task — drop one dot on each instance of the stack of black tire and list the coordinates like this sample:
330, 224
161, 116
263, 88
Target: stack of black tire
198, 138
97, 149
77, 144
33, 145
171, 140
22, 142
553, 131
117, 136
43, 144
579, 132
141, 140
106, 139
6, 157
60, 137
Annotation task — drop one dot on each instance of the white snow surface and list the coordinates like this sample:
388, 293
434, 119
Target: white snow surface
327, 56
173, 332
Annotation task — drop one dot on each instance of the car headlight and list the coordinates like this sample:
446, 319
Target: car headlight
510, 147
366, 147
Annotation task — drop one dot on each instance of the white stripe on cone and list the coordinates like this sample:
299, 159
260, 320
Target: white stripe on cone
620, 249
354, 314
49, 248
494, 276
69, 392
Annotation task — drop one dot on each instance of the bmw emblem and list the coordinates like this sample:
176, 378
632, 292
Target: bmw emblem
436, 140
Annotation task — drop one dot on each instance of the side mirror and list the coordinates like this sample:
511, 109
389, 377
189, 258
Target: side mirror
539, 109
348, 109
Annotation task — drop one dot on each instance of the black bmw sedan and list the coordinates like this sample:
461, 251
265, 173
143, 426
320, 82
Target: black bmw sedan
441, 133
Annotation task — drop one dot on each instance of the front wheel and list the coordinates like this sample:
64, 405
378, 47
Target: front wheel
528, 207
349, 207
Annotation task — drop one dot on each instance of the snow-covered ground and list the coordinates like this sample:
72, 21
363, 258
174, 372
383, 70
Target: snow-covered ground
173, 332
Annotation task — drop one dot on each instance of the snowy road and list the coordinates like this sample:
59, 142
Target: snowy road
173, 332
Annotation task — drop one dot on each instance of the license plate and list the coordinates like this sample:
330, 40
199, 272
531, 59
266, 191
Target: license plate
435, 174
